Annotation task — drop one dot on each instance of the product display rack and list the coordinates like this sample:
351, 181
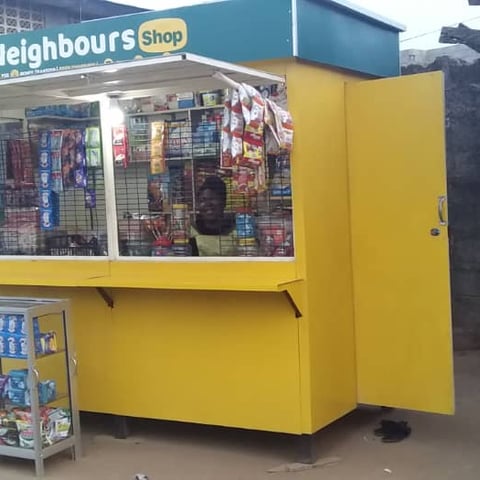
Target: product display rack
34, 311
192, 152
76, 218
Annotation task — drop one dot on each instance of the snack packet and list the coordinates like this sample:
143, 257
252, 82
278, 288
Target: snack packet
157, 155
226, 160
254, 120
253, 145
237, 147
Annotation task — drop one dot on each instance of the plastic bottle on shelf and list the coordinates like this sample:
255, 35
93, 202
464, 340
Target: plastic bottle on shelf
245, 223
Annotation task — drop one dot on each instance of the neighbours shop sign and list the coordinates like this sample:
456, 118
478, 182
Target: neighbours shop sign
212, 30
53, 51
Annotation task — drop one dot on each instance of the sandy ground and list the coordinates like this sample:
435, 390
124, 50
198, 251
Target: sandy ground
439, 448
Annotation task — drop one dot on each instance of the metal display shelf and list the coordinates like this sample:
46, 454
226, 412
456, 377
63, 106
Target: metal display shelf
27, 312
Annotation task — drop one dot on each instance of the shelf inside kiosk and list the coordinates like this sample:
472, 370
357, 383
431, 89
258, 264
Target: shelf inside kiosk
102, 148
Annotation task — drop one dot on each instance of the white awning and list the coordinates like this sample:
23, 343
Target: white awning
145, 77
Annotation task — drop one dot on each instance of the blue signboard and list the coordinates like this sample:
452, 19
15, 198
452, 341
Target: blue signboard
331, 34
230, 30
236, 31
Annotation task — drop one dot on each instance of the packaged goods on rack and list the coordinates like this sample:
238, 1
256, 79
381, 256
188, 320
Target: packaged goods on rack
93, 147
37, 403
81, 110
16, 390
185, 100
20, 165
179, 139
157, 159
16, 427
205, 136
138, 134
188, 147
13, 338
53, 184
121, 154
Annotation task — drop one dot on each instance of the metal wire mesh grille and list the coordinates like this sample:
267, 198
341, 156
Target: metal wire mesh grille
158, 206
41, 215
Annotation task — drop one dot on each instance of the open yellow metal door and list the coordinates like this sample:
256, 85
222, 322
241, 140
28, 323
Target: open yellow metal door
400, 242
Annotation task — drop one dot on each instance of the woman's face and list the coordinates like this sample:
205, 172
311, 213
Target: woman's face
210, 205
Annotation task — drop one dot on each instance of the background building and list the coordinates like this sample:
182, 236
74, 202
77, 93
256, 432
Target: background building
22, 15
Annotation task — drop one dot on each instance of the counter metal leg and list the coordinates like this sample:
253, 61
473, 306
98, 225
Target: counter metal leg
39, 468
121, 427
305, 448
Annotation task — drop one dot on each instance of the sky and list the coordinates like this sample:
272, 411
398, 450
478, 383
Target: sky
423, 19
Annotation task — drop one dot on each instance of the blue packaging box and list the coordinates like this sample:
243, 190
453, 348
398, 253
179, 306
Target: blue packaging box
285, 191
47, 219
18, 396
18, 379
186, 103
45, 160
11, 323
47, 391
13, 345
45, 179
17, 324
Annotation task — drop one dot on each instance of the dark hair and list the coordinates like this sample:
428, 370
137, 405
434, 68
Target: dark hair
217, 185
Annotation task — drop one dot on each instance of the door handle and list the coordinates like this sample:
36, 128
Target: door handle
75, 365
442, 200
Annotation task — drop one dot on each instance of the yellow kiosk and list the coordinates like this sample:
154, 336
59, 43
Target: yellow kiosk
359, 313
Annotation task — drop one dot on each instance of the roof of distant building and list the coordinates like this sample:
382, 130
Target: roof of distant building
90, 9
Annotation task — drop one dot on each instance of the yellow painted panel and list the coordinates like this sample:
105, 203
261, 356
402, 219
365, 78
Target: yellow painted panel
317, 101
316, 98
241, 275
53, 272
401, 271
217, 275
205, 357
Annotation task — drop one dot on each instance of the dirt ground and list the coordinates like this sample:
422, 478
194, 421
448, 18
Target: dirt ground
440, 448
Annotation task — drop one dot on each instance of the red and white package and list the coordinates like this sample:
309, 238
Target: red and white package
236, 104
226, 160
284, 125
236, 123
286, 132
272, 142
120, 145
254, 119
253, 147
246, 103
227, 113
280, 125
237, 147
243, 180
